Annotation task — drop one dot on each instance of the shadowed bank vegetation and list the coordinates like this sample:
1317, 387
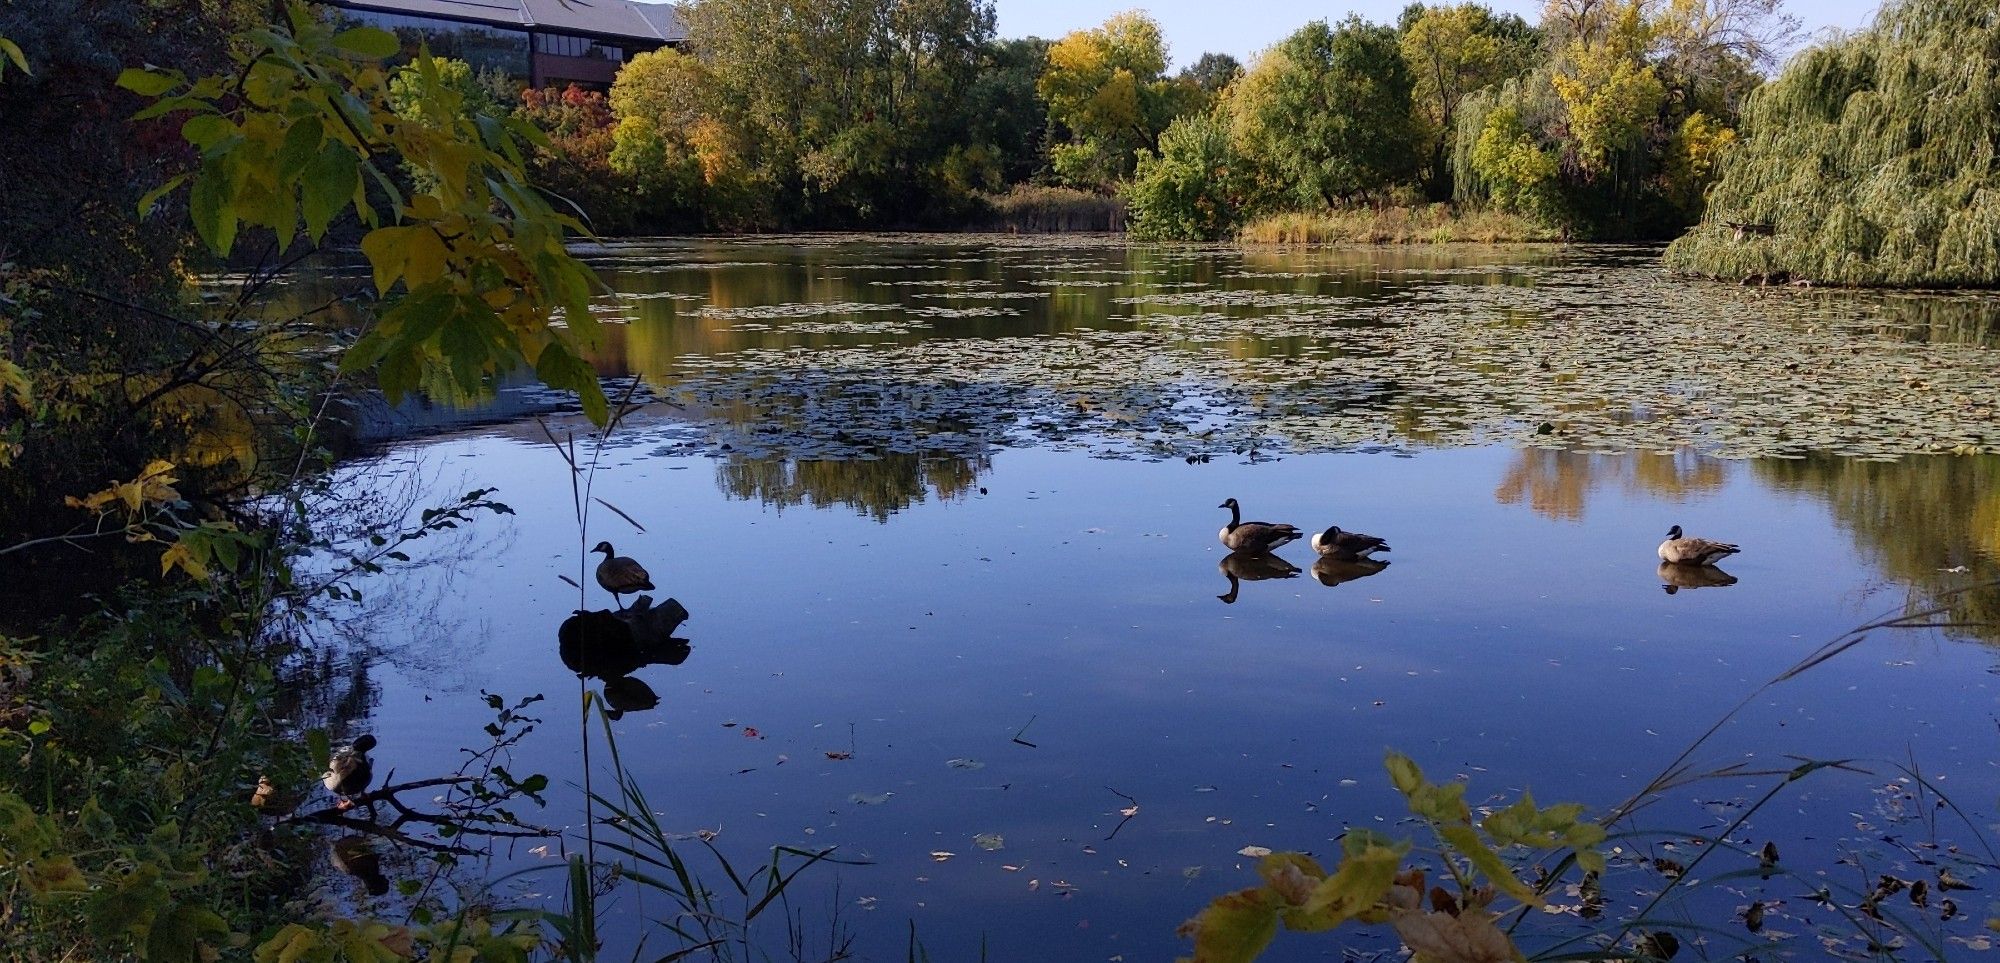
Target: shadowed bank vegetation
1871, 161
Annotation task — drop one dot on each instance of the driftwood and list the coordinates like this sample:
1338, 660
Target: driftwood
608, 645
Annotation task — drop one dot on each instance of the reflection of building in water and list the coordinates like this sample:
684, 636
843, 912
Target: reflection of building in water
877, 487
1557, 484
1931, 522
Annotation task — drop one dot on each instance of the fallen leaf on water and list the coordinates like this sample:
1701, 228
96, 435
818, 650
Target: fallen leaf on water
989, 841
1255, 852
941, 855
870, 799
750, 732
839, 756
965, 764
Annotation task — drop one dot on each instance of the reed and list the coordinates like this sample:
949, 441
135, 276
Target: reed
1421, 224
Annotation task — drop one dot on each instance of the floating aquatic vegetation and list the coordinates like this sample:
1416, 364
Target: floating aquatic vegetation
807, 309
1599, 353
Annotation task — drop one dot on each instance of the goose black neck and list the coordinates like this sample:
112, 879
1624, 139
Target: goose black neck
1235, 514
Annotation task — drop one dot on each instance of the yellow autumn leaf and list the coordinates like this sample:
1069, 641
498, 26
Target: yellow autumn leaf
179, 555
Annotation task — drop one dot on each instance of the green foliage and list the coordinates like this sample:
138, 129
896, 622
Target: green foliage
1609, 89
1107, 88
1328, 113
1869, 161
10, 53
1516, 172
1371, 885
1453, 51
842, 111
1194, 189
474, 253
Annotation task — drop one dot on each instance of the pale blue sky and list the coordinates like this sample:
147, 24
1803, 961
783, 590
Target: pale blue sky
1242, 27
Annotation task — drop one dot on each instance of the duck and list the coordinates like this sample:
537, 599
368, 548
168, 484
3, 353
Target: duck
1254, 538
1332, 570
1680, 550
1674, 577
620, 574
350, 771
1252, 567
1334, 543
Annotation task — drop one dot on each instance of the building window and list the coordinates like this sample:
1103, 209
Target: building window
563, 45
484, 47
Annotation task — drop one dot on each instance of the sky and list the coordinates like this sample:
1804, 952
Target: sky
1243, 27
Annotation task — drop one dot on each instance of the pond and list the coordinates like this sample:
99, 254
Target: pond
943, 511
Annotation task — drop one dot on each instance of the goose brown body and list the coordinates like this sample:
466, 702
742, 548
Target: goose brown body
1335, 543
620, 574
1254, 538
1682, 550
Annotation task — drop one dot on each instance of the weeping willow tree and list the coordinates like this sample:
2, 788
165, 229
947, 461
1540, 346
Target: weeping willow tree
1870, 161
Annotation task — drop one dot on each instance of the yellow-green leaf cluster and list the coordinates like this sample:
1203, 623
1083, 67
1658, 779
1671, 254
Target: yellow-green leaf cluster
471, 263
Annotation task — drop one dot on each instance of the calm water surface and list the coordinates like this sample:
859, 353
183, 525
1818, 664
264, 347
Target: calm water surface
961, 538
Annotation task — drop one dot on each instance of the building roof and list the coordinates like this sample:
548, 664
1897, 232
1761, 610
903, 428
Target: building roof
627, 19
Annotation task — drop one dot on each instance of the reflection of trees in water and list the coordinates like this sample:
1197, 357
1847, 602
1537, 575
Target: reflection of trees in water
1933, 318
1557, 484
877, 487
1916, 520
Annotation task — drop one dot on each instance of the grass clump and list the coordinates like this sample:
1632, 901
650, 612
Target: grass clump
1419, 224
1869, 162
1032, 209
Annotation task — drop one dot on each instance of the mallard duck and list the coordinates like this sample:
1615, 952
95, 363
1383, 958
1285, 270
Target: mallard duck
350, 771
1693, 551
621, 575
1252, 567
1335, 543
1332, 570
1675, 577
355, 855
1255, 538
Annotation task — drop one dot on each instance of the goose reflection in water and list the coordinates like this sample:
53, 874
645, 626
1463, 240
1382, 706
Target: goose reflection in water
1332, 570
1252, 567
612, 645
1675, 577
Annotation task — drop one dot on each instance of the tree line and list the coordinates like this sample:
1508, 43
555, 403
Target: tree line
1603, 119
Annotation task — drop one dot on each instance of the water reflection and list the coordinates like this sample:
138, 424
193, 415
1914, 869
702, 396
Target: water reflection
610, 646
1332, 570
1674, 577
1241, 567
1558, 484
1931, 523
877, 487
355, 855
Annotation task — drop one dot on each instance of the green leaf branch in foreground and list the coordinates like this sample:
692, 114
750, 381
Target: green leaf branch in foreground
1372, 885
471, 265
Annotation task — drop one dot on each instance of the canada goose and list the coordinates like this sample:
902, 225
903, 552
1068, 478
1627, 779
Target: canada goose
1693, 551
350, 771
1252, 567
621, 575
1332, 570
1674, 577
1335, 543
1255, 538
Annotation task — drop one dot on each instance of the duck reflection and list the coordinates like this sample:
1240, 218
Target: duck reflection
1332, 570
609, 645
1241, 567
355, 855
1675, 577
